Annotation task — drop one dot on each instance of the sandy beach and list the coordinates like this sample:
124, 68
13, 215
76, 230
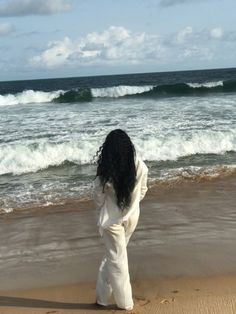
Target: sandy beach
182, 256
193, 295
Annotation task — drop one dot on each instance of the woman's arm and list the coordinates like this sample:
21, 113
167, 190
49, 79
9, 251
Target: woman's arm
141, 179
144, 187
98, 195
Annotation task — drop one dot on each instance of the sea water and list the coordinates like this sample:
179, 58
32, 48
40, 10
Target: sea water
183, 124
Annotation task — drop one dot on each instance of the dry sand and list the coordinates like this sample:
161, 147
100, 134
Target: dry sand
185, 295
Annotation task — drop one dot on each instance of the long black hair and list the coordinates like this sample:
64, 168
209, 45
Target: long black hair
116, 163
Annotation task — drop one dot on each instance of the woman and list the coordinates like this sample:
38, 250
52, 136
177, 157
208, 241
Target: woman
120, 184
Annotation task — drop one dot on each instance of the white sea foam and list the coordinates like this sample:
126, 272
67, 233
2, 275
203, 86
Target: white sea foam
27, 97
179, 145
23, 158
6, 210
206, 84
119, 91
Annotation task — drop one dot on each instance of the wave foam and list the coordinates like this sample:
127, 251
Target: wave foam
23, 158
28, 97
206, 84
120, 91
204, 142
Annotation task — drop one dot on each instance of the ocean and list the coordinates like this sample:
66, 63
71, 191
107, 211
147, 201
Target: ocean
183, 124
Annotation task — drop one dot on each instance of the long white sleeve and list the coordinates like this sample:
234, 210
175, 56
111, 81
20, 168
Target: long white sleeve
98, 195
144, 187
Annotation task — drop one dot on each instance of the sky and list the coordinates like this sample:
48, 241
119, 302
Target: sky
68, 38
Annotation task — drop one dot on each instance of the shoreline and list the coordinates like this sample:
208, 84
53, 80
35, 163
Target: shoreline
85, 201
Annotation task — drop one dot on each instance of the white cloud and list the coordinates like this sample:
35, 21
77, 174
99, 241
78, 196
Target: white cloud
56, 55
118, 46
184, 34
5, 29
216, 33
202, 53
33, 7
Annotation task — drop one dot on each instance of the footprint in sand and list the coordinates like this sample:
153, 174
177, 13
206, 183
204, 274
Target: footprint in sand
141, 300
175, 291
167, 301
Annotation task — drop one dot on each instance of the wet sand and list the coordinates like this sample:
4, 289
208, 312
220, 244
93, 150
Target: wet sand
185, 238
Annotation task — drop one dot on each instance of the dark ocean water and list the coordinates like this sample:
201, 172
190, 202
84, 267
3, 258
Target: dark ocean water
182, 123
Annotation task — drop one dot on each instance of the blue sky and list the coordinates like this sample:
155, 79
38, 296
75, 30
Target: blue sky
62, 38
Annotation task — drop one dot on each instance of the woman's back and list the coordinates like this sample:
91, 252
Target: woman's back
106, 201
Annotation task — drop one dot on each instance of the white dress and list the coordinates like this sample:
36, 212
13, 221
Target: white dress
116, 229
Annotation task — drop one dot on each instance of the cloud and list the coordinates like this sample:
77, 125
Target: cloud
56, 55
202, 53
204, 36
184, 34
33, 7
5, 29
198, 44
216, 33
229, 36
118, 46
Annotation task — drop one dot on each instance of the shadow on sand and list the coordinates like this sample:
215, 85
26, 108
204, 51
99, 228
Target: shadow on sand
37, 303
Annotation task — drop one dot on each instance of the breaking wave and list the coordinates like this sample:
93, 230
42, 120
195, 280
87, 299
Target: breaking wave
28, 97
88, 94
120, 91
199, 142
31, 157
24, 158
206, 85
